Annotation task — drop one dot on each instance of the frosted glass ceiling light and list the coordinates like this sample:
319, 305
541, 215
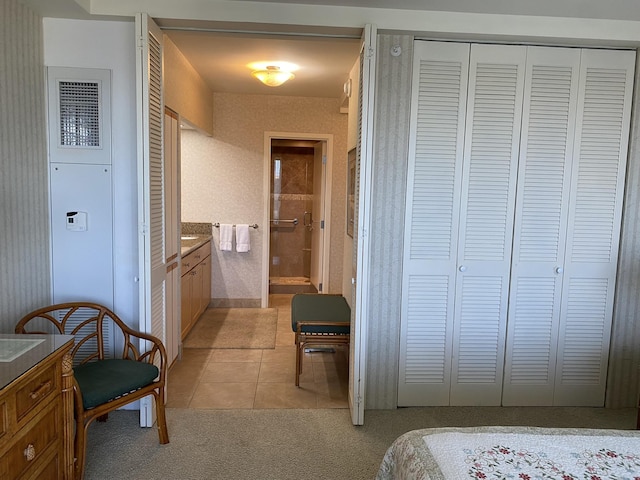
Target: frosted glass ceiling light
272, 76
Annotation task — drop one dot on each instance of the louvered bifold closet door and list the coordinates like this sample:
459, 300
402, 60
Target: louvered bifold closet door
440, 74
546, 152
151, 243
494, 108
595, 208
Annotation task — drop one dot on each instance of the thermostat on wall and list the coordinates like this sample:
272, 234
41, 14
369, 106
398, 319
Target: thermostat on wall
77, 221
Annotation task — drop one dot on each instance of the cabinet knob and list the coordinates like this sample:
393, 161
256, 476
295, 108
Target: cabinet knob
559, 269
462, 268
30, 452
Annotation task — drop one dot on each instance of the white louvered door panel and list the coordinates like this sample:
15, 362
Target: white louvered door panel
546, 151
360, 279
600, 151
494, 107
431, 224
151, 214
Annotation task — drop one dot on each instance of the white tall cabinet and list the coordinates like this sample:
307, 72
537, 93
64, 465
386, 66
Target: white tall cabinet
515, 183
172, 232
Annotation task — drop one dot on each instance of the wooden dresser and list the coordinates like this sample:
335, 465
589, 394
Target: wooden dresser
36, 407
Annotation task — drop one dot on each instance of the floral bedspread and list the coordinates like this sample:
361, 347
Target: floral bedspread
518, 453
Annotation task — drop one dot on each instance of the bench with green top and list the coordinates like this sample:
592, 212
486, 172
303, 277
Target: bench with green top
318, 319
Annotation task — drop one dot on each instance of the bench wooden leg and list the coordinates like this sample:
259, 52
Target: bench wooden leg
299, 355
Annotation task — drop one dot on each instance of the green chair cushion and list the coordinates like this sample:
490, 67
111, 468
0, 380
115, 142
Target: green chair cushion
312, 307
105, 380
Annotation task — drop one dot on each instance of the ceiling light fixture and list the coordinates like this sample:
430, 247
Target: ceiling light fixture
272, 76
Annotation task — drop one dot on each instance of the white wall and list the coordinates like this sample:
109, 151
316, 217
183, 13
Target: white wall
109, 45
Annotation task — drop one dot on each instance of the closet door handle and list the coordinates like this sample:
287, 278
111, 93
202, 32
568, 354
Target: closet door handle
559, 269
462, 268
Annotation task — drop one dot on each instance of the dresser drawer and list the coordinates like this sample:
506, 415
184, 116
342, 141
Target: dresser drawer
27, 452
4, 425
51, 468
42, 387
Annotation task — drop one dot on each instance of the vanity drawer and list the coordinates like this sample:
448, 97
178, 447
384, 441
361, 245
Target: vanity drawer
42, 387
36, 443
202, 252
195, 257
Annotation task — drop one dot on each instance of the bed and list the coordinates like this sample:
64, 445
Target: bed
519, 453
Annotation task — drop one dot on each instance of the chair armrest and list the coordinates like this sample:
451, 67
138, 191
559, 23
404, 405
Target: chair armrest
157, 350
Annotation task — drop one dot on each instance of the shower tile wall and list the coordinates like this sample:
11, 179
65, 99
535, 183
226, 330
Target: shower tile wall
292, 196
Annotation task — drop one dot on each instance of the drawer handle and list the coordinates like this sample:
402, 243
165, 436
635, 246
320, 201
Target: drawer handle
30, 452
41, 390
186, 265
197, 257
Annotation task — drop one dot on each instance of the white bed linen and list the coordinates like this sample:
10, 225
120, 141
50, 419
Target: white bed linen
520, 453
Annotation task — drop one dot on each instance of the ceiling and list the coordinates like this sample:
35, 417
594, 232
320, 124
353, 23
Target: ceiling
221, 52
223, 59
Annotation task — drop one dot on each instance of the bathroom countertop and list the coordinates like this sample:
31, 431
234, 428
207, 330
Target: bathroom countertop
189, 242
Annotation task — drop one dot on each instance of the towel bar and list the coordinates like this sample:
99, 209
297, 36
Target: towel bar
217, 225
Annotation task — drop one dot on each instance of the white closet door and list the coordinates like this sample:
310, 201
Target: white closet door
440, 75
600, 151
494, 109
546, 151
151, 237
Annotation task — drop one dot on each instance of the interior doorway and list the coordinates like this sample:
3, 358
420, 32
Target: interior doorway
298, 213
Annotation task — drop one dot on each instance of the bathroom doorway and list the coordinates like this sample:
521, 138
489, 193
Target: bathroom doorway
298, 214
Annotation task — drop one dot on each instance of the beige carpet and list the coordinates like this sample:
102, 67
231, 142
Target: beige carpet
234, 328
291, 444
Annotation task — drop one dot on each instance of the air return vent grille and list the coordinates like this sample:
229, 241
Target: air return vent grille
79, 114
79, 111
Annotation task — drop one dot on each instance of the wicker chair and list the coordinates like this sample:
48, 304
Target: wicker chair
103, 384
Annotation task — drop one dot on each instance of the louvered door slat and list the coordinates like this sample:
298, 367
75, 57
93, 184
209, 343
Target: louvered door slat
548, 124
431, 222
496, 85
600, 146
426, 347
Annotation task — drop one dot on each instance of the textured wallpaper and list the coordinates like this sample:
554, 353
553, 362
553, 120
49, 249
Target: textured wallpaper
624, 356
390, 158
222, 181
24, 214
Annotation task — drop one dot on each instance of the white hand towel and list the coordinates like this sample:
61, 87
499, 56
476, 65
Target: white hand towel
243, 243
226, 237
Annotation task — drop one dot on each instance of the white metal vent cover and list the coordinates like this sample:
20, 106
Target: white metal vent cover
79, 108
79, 115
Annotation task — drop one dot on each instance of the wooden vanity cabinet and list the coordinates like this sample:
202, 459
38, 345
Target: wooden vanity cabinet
196, 286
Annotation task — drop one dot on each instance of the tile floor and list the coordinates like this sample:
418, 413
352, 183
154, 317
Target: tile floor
252, 378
